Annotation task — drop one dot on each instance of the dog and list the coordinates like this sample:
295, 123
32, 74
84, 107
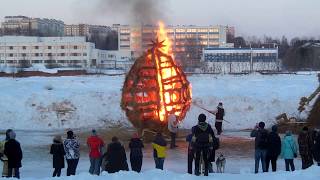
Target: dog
221, 163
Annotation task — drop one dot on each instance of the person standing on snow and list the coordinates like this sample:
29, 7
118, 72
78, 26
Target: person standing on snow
159, 150
305, 142
115, 158
219, 112
289, 150
3, 157
316, 147
12, 150
95, 144
173, 129
261, 146
72, 149
202, 140
57, 150
136, 155
190, 153
274, 148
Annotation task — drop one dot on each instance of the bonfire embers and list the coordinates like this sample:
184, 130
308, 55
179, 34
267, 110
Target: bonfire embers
154, 88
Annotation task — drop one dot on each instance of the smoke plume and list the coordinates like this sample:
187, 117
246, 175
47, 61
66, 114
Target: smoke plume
136, 11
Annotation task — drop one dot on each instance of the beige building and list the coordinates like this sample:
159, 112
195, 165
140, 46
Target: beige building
85, 30
26, 26
187, 41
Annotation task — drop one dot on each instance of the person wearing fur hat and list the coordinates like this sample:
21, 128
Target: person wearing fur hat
305, 142
136, 154
173, 129
57, 151
95, 144
261, 145
72, 148
202, 140
3, 157
12, 150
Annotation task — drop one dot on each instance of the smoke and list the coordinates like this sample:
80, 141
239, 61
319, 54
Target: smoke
135, 11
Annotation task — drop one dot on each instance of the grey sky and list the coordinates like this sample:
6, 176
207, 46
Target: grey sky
250, 17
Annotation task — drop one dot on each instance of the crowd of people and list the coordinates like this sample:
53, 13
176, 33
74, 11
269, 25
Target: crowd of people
269, 147
202, 144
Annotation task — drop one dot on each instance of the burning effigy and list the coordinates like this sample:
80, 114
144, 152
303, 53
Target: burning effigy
155, 88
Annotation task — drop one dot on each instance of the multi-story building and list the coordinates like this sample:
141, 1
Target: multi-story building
187, 41
238, 60
22, 51
85, 30
26, 26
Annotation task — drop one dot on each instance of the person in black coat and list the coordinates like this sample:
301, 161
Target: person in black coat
136, 155
274, 148
202, 140
13, 152
115, 157
57, 150
316, 147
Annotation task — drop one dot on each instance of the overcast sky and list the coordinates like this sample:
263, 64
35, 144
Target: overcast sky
250, 17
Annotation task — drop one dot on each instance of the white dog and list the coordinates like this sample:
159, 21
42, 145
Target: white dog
221, 163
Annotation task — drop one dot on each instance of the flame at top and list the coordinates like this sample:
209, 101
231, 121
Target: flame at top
163, 36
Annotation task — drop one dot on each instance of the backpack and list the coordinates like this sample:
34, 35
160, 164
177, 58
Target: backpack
263, 141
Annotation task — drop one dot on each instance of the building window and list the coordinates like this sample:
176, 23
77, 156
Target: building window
36, 54
84, 54
24, 47
36, 47
11, 47
24, 55
62, 47
10, 55
49, 54
62, 54
49, 47
75, 47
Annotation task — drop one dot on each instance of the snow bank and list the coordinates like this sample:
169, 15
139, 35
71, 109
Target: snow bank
42, 103
309, 174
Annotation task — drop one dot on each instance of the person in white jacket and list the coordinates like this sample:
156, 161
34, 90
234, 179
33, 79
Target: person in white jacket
173, 129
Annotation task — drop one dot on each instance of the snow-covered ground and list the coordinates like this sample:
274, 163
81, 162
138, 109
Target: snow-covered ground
40, 103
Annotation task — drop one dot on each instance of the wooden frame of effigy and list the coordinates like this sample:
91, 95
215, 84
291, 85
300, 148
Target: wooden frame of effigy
154, 88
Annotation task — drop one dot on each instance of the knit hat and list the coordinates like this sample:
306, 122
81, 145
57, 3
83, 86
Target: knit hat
202, 118
305, 128
57, 139
94, 132
70, 134
114, 139
274, 128
261, 125
288, 133
8, 134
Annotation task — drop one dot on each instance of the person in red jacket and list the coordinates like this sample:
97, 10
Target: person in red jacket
95, 144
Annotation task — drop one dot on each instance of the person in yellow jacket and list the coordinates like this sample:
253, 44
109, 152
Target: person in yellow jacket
159, 150
3, 157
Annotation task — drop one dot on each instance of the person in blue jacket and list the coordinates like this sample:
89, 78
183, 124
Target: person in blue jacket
289, 150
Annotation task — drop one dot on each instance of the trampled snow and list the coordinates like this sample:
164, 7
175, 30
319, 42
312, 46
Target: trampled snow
312, 173
42, 103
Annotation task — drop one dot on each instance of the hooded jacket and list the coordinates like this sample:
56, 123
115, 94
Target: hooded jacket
116, 158
274, 144
136, 146
159, 147
13, 152
57, 150
289, 147
202, 135
72, 148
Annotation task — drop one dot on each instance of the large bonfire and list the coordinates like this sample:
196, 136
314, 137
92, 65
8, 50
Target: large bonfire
156, 87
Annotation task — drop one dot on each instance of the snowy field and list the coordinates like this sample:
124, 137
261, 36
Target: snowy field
41, 103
